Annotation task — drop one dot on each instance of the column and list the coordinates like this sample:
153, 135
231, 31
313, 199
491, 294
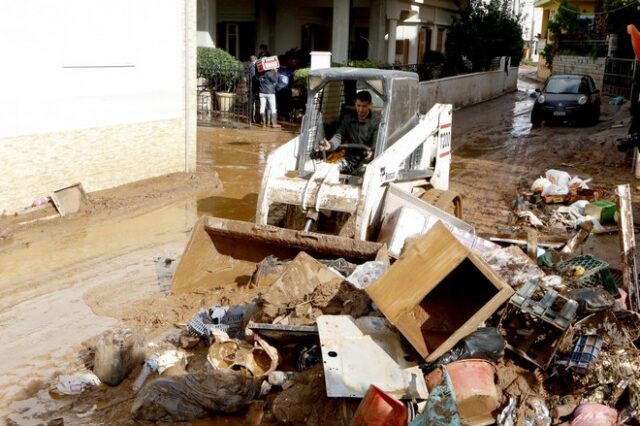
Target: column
444, 41
413, 45
391, 47
434, 37
213, 21
376, 30
262, 26
206, 20
340, 33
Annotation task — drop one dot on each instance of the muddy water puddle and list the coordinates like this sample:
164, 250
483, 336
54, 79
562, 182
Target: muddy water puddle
58, 289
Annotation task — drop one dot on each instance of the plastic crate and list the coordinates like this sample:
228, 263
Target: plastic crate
596, 274
585, 350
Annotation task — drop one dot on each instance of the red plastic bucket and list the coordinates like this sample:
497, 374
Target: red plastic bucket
474, 384
378, 408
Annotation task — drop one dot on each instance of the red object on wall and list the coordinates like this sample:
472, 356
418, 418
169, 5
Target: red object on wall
635, 39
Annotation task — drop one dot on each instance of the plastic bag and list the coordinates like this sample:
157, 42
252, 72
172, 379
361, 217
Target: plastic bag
558, 177
539, 184
484, 343
184, 398
576, 182
76, 383
591, 300
554, 189
594, 415
118, 353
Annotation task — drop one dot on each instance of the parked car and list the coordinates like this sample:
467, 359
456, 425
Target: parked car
567, 97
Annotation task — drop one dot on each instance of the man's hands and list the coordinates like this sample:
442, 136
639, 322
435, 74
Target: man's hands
369, 156
325, 145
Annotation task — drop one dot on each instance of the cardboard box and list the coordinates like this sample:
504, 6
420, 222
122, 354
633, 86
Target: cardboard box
438, 292
268, 63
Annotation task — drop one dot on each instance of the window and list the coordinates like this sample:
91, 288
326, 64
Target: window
232, 39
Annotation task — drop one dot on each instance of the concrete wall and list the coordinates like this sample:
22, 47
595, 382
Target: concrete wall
580, 65
468, 89
93, 92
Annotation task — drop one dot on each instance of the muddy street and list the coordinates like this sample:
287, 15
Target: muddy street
94, 268
66, 281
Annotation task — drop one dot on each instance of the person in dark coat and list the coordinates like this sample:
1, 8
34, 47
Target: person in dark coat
267, 82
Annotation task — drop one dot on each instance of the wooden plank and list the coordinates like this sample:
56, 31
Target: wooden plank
628, 246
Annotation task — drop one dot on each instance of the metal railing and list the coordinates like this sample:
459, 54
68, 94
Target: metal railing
621, 77
594, 48
226, 99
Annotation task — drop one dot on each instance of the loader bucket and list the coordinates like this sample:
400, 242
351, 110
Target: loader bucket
223, 251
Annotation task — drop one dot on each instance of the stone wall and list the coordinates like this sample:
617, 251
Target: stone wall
594, 67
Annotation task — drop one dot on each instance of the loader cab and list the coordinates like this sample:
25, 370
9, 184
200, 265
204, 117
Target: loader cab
331, 95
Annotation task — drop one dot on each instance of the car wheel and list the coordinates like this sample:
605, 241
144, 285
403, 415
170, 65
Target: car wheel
536, 120
595, 116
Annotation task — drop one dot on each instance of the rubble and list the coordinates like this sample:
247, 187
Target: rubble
455, 331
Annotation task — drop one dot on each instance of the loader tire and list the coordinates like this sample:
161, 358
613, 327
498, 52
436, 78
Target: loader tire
449, 201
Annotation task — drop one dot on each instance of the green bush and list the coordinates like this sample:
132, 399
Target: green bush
366, 63
300, 77
215, 64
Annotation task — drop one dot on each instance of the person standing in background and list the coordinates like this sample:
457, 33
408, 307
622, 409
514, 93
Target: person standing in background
268, 81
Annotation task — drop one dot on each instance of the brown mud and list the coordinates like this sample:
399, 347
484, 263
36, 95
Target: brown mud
71, 278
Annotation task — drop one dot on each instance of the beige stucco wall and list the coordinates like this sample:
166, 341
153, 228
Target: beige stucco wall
98, 158
467, 89
96, 124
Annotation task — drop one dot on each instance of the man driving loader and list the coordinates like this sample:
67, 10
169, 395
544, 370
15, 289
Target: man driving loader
353, 143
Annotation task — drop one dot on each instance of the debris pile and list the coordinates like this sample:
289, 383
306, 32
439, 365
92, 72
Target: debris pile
445, 329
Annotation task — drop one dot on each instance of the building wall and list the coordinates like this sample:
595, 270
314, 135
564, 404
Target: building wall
594, 67
469, 89
94, 93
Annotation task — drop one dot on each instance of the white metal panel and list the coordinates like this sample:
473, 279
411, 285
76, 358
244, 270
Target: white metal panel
357, 353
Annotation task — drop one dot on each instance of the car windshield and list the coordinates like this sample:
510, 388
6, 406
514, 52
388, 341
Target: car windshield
565, 85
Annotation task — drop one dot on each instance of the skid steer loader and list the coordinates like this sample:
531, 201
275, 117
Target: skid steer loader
412, 150
305, 196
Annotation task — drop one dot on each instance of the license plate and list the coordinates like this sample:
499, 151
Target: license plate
559, 113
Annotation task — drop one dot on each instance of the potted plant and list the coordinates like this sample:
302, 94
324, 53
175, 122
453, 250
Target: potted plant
222, 73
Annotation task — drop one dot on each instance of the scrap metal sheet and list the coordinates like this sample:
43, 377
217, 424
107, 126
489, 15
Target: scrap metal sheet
357, 353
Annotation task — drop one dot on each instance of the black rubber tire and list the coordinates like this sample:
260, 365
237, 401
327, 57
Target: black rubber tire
536, 120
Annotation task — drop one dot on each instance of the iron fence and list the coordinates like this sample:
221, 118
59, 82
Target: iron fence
621, 78
226, 98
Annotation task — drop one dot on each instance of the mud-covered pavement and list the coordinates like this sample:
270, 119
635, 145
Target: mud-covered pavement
63, 283
497, 155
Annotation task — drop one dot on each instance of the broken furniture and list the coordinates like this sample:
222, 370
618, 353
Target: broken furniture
535, 322
438, 292
359, 352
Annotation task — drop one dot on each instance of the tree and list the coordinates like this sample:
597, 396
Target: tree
482, 32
